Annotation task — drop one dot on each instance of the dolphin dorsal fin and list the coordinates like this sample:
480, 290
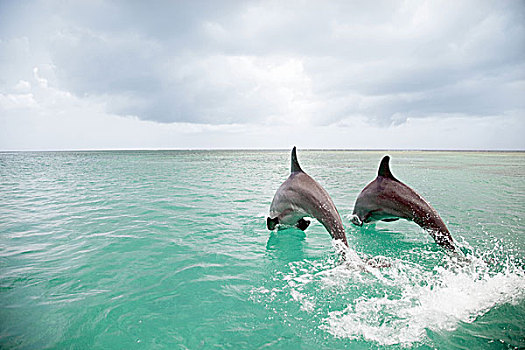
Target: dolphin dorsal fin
384, 168
295, 164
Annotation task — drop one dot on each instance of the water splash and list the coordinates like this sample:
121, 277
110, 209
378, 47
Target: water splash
435, 300
398, 304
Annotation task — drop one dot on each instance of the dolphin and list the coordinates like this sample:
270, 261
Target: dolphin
388, 199
301, 196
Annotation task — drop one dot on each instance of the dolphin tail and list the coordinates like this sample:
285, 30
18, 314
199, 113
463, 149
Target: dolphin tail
444, 239
295, 163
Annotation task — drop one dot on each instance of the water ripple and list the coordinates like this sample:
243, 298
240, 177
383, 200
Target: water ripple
170, 250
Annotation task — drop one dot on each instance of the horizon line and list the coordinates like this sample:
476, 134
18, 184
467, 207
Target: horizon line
261, 149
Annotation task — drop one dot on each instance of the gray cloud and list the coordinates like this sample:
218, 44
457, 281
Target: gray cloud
274, 62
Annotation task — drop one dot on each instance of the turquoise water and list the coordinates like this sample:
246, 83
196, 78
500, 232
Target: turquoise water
169, 249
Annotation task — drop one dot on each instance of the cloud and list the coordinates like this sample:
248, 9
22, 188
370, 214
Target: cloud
267, 64
42, 117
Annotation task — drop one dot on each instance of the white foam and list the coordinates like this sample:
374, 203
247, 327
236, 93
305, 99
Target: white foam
393, 305
435, 300
307, 303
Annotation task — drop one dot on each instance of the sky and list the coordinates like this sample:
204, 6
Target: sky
419, 74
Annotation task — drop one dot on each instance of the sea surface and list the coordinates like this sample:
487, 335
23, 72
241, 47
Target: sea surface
169, 250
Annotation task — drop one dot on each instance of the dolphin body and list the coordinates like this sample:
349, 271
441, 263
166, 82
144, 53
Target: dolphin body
388, 199
301, 196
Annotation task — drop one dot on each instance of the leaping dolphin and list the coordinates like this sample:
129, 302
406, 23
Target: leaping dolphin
388, 199
301, 196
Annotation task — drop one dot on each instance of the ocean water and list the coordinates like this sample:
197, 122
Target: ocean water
169, 249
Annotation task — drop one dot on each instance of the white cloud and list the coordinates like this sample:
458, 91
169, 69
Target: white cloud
50, 118
22, 86
17, 101
232, 89
42, 82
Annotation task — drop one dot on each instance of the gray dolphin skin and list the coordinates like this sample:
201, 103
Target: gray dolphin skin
388, 199
301, 196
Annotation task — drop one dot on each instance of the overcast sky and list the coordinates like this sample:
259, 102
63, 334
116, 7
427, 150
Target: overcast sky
101, 74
